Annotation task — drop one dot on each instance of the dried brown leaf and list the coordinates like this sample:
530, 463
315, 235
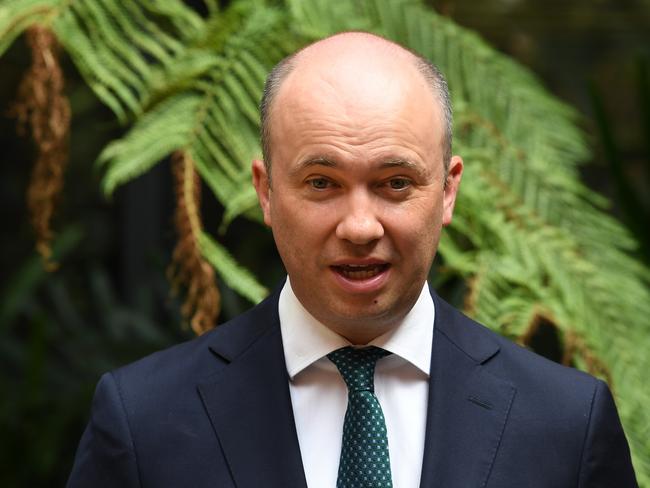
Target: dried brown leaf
188, 270
43, 108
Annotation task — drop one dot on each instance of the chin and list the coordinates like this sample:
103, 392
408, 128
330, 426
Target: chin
368, 319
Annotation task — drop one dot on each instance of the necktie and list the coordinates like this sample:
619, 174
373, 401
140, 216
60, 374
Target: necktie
364, 462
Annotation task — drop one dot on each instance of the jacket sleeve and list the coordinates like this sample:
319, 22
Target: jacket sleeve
606, 458
106, 453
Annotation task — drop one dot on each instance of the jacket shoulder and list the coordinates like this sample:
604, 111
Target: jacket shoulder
524, 368
557, 412
180, 366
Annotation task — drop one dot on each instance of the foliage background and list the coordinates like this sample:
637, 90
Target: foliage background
110, 303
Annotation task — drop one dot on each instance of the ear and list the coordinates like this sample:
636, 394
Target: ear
262, 186
451, 188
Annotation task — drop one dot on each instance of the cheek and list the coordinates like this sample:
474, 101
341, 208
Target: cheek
304, 215
298, 229
417, 230
421, 217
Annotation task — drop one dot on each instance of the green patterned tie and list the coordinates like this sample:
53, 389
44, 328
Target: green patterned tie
364, 452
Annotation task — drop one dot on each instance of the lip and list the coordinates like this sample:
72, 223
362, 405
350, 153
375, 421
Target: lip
363, 286
358, 261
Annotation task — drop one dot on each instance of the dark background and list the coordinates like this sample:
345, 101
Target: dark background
109, 303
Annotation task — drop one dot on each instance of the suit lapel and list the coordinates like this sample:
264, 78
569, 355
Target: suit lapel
468, 406
249, 404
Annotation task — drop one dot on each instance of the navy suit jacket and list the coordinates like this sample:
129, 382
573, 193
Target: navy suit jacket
216, 412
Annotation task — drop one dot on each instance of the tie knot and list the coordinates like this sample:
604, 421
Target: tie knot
357, 366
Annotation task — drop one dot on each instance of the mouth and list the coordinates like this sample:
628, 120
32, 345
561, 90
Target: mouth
360, 272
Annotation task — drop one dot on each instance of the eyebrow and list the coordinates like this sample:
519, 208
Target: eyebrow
383, 164
315, 161
403, 163
399, 163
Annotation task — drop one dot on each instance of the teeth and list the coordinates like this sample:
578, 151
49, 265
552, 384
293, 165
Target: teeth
360, 271
360, 275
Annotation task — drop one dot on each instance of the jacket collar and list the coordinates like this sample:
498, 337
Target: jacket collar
248, 401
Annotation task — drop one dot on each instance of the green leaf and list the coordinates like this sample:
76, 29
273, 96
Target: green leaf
234, 275
160, 132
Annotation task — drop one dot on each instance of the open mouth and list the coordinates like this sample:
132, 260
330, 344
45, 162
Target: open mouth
360, 271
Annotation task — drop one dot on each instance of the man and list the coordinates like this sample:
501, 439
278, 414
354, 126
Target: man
356, 183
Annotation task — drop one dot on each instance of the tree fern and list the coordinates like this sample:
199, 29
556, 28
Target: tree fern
235, 276
531, 243
158, 133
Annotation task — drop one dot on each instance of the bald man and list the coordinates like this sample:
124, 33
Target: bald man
354, 373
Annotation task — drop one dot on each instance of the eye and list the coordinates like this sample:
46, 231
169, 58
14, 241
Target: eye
399, 183
319, 183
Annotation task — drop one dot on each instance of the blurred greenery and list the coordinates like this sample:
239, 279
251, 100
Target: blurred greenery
109, 302
58, 333
634, 209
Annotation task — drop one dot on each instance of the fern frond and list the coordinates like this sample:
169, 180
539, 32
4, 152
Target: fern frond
234, 275
120, 46
244, 202
16, 16
162, 131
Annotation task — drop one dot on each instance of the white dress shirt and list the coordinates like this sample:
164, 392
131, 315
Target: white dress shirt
319, 394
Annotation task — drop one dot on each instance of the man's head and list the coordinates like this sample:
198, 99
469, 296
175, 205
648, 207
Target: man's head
429, 71
357, 192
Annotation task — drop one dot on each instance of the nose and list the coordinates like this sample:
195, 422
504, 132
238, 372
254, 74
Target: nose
360, 223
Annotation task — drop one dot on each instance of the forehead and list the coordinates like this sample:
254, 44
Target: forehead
358, 71
356, 100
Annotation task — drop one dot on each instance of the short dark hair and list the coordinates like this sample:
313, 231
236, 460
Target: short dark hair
436, 80
280, 71
271, 87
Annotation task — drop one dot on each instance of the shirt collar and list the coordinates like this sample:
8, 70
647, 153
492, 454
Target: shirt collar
306, 340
